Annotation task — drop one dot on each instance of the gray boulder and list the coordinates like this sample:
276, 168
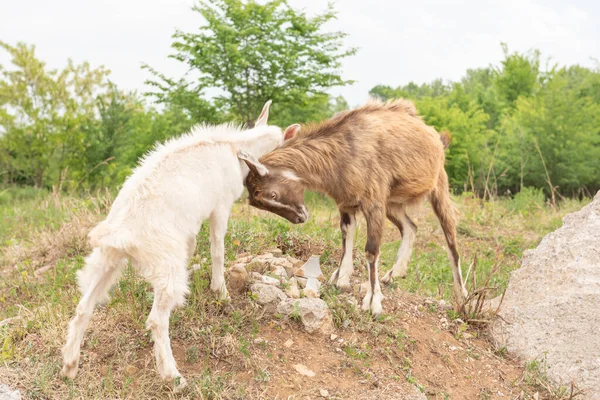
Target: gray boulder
551, 308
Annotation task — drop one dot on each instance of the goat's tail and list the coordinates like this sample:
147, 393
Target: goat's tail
106, 235
446, 138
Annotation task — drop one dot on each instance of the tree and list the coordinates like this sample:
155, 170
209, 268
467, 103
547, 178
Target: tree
43, 112
519, 75
250, 53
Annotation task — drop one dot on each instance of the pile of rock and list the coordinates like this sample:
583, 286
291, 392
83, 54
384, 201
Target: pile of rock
285, 284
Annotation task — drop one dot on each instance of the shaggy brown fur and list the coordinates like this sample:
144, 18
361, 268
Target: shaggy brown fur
375, 159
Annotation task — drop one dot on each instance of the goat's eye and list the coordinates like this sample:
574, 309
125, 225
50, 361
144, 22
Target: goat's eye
256, 193
273, 195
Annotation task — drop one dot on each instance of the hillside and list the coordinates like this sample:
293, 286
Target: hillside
418, 349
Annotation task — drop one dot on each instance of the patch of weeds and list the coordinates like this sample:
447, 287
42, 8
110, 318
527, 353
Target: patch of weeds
192, 354
262, 376
244, 347
536, 377
356, 353
501, 352
342, 311
209, 386
295, 314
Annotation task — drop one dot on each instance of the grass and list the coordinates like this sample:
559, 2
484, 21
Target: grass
45, 231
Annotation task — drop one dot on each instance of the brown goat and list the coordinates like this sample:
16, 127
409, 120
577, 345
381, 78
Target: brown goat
376, 159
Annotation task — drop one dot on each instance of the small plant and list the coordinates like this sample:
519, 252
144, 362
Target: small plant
536, 376
192, 354
295, 314
262, 376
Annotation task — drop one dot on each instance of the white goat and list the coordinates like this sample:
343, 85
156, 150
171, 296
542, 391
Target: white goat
154, 221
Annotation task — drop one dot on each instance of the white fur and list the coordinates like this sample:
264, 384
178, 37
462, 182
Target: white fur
154, 221
291, 175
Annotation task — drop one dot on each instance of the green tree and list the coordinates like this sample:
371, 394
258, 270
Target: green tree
43, 112
557, 131
250, 52
518, 75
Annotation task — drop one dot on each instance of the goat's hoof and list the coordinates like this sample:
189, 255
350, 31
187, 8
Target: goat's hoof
387, 278
223, 296
376, 307
179, 384
69, 370
372, 303
343, 284
366, 304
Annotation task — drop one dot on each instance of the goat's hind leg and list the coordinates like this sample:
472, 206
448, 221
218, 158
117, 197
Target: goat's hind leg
397, 215
446, 213
170, 283
341, 276
102, 269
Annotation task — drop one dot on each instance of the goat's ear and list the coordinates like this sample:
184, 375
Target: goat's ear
264, 115
291, 131
252, 163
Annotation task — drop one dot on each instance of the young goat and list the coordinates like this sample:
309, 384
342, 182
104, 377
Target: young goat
376, 159
154, 221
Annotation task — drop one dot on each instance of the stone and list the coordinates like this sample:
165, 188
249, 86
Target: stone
324, 393
267, 294
292, 289
130, 370
312, 288
415, 395
269, 280
311, 269
313, 313
7, 393
244, 258
301, 281
255, 266
238, 279
40, 271
303, 370
275, 251
278, 270
288, 343
294, 261
283, 263
550, 307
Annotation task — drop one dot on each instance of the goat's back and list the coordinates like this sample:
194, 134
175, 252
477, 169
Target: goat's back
165, 202
378, 150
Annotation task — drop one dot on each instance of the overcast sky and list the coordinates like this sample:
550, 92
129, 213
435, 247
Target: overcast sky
399, 41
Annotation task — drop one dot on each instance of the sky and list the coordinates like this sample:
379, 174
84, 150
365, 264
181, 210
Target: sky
398, 41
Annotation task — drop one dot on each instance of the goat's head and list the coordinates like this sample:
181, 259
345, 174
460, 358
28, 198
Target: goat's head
274, 189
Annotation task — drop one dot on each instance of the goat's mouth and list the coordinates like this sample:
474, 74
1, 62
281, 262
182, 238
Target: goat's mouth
300, 217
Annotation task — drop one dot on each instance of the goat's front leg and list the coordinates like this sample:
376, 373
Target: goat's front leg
218, 229
375, 216
341, 276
